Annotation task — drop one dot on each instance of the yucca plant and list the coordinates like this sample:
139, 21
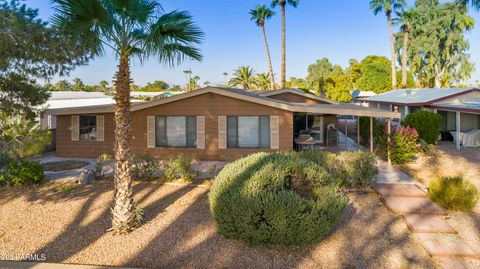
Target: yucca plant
131, 28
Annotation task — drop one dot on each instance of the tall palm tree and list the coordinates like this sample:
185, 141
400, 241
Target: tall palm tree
405, 20
262, 81
282, 4
243, 77
133, 28
260, 15
389, 6
225, 74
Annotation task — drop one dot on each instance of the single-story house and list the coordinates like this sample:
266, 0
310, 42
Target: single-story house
208, 124
459, 108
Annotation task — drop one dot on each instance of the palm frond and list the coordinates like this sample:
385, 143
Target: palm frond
173, 37
136, 10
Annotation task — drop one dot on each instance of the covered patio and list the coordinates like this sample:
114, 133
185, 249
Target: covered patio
316, 127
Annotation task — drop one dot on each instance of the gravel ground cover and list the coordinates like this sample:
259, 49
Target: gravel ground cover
179, 232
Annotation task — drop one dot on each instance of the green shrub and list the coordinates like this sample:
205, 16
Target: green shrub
453, 193
273, 198
179, 168
426, 123
22, 173
349, 169
145, 167
403, 145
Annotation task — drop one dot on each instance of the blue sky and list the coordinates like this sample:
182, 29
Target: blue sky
339, 30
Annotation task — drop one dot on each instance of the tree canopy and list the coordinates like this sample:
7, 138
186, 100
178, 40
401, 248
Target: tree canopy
438, 52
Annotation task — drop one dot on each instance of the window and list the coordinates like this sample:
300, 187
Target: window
248, 132
88, 128
176, 131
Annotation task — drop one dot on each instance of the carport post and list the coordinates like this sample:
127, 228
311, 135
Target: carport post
457, 125
371, 134
389, 131
358, 130
346, 130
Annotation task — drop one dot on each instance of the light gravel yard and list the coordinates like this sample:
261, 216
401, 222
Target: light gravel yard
69, 225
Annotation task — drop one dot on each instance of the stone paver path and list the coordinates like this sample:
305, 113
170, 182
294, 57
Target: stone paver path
426, 220
427, 223
420, 205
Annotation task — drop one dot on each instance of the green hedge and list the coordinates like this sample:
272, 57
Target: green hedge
22, 173
275, 199
426, 123
348, 169
453, 193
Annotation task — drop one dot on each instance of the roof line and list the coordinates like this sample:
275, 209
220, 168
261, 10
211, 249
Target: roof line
337, 109
297, 92
428, 102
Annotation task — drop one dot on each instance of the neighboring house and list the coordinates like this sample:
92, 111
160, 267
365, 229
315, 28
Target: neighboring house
71, 99
459, 108
207, 124
362, 95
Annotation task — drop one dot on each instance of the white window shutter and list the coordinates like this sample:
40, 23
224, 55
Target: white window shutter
222, 132
75, 128
200, 132
274, 132
150, 132
100, 128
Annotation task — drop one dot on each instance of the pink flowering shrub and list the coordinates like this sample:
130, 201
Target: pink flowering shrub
403, 145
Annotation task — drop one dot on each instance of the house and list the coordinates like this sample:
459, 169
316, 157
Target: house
459, 108
208, 124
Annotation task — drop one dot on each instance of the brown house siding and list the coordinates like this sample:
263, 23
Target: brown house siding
295, 98
209, 105
84, 149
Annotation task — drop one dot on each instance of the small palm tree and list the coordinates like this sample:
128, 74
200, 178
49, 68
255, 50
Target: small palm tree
133, 28
206, 83
193, 85
260, 15
389, 6
243, 77
282, 4
225, 74
405, 20
263, 81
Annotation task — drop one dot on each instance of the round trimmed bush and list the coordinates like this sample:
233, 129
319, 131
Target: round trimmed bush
453, 193
426, 123
272, 198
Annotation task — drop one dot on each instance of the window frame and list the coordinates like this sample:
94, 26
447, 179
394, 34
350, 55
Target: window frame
80, 128
236, 143
187, 146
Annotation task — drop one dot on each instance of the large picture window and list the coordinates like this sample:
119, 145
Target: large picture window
248, 132
88, 128
176, 131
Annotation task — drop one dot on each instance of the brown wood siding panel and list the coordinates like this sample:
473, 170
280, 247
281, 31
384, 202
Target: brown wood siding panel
209, 105
295, 98
86, 149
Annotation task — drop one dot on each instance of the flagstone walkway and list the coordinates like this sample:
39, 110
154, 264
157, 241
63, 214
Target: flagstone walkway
427, 222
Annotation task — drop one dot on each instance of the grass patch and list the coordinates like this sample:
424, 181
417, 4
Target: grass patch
63, 165
65, 187
453, 193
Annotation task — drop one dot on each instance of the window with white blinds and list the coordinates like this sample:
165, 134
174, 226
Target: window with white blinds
176, 131
248, 132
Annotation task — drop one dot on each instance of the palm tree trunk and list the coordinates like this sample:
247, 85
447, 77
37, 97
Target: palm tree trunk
123, 217
272, 79
284, 54
392, 47
404, 60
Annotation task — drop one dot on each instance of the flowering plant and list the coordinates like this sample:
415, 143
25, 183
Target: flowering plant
403, 145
